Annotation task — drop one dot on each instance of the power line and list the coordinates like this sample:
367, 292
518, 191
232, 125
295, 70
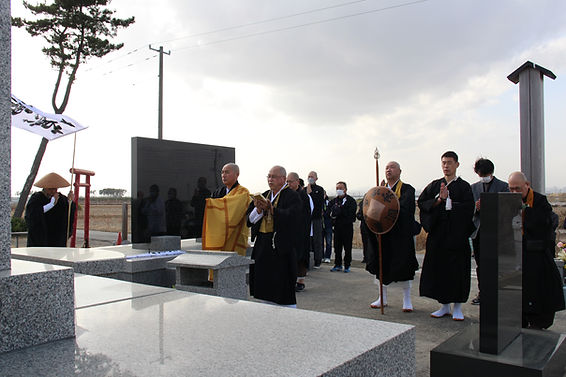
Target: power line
141, 48
103, 63
256, 33
301, 25
262, 21
146, 59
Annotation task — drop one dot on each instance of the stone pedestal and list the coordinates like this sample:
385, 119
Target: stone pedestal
532, 353
37, 305
228, 268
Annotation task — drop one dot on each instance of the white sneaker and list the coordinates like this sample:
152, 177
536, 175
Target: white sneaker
326, 260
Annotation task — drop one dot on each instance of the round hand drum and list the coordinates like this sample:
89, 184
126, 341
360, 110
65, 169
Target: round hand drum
381, 209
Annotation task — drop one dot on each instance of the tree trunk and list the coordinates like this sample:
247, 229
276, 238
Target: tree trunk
31, 178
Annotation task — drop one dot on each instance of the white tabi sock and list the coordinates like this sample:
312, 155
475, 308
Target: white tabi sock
444, 310
407, 305
457, 314
377, 303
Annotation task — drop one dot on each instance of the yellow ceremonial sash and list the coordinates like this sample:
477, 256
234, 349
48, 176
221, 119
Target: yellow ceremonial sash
266, 225
398, 189
224, 224
529, 203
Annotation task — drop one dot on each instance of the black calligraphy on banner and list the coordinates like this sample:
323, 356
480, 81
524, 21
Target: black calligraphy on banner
19, 107
46, 124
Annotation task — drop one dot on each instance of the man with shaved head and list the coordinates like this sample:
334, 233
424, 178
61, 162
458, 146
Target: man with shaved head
273, 216
398, 246
542, 286
224, 224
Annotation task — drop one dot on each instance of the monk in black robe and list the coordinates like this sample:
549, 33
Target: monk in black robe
398, 245
47, 214
542, 286
273, 222
446, 209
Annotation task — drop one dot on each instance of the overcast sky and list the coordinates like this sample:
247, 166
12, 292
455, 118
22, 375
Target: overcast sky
315, 91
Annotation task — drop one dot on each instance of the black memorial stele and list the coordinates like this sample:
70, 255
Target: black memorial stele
500, 347
170, 183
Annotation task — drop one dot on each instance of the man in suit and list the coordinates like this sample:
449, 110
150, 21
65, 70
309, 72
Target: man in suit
484, 168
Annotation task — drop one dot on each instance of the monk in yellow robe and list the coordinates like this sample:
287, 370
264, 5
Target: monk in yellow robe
224, 225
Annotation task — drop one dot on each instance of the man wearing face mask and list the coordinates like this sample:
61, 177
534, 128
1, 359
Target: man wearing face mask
484, 168
343, 213
316, 193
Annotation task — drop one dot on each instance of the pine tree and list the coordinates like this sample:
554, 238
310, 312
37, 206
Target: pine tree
75, 30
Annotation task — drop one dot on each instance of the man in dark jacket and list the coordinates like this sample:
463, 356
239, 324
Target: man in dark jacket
273, 218
542, 287
47, 215
343, 213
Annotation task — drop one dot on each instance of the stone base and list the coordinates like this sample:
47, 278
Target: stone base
165, 243
532, 353
37, 305
134, 330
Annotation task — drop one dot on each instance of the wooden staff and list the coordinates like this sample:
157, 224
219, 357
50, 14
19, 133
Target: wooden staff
70, 200
376, 156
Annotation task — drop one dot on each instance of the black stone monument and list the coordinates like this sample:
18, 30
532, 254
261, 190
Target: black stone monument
499, 346
170, 182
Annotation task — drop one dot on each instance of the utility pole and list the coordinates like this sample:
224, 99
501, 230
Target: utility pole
160, 105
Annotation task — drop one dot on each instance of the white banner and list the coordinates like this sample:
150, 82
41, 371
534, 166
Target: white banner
50, 126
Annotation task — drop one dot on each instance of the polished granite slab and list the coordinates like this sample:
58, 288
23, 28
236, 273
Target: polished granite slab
500, 276
176, 333
94, 290
91, 261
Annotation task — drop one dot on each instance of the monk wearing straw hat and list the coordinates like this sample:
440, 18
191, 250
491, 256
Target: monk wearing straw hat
47, 213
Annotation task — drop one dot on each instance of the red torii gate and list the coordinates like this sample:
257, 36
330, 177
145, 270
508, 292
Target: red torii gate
77, 185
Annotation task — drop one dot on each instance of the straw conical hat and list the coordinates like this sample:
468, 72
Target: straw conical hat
52, 180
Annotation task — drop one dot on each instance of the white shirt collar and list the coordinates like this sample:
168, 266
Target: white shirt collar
393, 184
275, 196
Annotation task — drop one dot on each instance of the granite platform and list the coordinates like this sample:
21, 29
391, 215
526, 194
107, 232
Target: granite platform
533, 353
129, 262
128, 329
83, 260
36, 305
